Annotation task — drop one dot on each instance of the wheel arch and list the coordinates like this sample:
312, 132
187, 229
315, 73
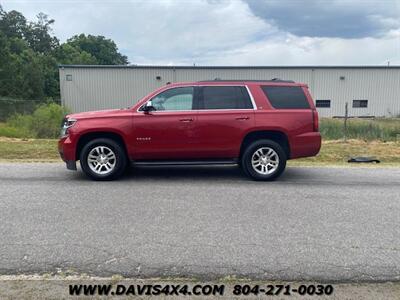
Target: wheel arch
89, 136
274, 135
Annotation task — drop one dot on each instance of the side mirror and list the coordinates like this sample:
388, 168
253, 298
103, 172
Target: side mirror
149, 107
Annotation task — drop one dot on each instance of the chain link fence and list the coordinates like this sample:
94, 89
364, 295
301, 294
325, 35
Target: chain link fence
10, 106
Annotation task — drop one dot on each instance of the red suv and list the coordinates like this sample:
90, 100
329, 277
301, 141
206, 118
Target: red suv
255, 124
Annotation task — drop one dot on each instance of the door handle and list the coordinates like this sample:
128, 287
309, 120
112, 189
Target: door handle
186, 120
242, 118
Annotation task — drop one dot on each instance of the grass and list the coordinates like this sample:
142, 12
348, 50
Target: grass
332, 152
382, 129
9, 131
46, 119
13, 149
337, 152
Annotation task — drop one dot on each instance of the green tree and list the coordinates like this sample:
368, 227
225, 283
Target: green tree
5, 65
21, 69
104, 50
49, 69
28, 78
69, 55
38, 35
13, 24
30, 55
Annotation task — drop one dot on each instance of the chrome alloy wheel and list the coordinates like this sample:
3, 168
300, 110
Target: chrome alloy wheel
265, 160
101, 160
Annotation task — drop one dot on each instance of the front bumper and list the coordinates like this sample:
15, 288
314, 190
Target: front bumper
66, 148
71, 165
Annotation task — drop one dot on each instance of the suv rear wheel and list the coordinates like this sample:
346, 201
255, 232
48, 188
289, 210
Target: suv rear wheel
103, 159
264, 160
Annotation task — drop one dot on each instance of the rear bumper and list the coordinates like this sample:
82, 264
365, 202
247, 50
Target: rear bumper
304, 145
66, 148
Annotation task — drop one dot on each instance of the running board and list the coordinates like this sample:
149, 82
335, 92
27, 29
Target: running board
184, 162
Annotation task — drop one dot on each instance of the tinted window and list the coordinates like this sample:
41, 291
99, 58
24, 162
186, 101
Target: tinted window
360, 103
174, 99
225, 97
286, 96
323, 103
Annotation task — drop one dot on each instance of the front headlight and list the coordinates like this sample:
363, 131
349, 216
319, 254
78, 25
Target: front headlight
66, 123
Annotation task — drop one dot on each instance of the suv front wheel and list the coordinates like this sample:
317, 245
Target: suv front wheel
103, 159
264, 160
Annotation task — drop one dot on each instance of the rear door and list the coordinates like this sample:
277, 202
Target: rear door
225, 114
167, 132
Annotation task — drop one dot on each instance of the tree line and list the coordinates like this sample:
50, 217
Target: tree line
30, 55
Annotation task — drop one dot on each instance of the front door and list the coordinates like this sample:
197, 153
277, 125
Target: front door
167, 132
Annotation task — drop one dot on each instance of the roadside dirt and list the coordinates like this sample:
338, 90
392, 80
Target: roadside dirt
57, 287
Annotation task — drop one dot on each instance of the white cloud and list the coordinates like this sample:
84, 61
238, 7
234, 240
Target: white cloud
292, 50
219, 32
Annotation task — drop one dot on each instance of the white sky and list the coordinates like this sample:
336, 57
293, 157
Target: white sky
233, 32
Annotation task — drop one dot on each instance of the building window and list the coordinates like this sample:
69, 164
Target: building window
360, 103
68, 77
323, 103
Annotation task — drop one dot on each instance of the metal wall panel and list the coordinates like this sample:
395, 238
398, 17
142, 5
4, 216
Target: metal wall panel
381, 87
94, 88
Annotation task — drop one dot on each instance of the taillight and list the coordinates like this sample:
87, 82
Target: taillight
315, 120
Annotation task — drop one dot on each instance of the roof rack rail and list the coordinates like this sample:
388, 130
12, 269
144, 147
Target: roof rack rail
251, 80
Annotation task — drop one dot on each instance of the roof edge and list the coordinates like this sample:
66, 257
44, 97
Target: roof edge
225, 67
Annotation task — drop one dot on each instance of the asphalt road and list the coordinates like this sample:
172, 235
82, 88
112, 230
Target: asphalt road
328, 224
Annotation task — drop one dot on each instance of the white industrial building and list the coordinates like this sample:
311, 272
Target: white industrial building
368, 90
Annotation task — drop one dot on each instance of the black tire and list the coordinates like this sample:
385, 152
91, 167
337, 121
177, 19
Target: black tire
120, 159
246, 160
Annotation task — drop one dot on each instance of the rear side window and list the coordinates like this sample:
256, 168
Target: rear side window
286, 97
225, 97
